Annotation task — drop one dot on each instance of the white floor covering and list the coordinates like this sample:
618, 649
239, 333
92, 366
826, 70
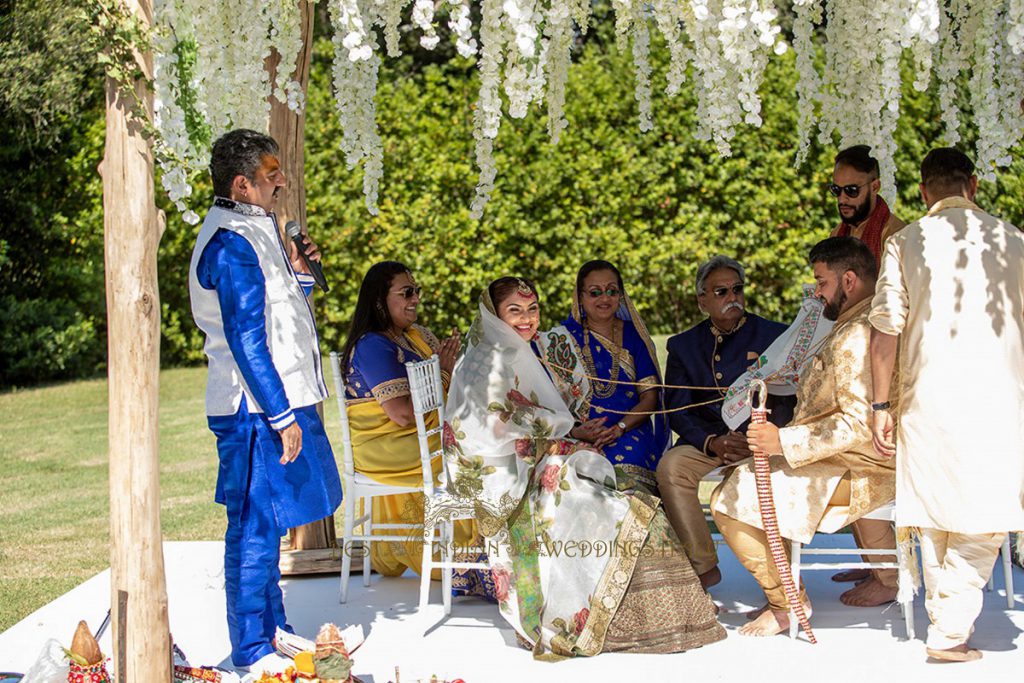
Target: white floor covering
475, 644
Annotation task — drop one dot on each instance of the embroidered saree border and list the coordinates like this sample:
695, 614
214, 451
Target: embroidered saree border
616, 577
393, 388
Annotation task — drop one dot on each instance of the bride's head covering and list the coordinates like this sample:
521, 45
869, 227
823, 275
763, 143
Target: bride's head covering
502, 411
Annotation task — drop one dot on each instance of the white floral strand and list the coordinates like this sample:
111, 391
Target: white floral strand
173, 148
390, 18
956, 37
487, 116
355, 86
524, 74
286, 37
1015, 26
669, 16
461, 27
808, 87
996, 88
423, 17
558, 34
641, 35
921, 35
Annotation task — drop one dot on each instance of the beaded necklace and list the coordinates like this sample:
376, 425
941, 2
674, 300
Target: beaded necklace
403, 343
603, 389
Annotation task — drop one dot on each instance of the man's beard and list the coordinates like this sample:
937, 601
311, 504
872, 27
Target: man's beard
859, 214
835, 307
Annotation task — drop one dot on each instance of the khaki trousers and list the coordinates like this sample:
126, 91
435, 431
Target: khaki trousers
877, 533
956, 569
750, 545
679, 473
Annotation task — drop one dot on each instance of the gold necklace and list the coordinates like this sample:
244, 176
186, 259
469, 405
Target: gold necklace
402, 342
603, 389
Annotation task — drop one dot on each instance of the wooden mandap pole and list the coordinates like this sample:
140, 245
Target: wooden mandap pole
142, 648
312, 547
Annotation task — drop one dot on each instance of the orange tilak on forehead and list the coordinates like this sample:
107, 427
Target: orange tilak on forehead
269, 163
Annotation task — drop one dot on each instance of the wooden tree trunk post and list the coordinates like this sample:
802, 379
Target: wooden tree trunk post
142, 648
312, 545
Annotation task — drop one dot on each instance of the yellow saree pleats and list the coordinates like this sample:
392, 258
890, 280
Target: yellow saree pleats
390, 454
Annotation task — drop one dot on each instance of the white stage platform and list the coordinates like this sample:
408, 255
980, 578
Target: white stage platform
475, 644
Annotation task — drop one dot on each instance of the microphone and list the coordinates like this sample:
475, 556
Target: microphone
315, 269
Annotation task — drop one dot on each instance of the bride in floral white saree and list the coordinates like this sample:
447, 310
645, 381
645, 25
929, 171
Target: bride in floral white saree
580, 567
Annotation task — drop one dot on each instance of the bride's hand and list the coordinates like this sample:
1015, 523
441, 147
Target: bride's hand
589, 431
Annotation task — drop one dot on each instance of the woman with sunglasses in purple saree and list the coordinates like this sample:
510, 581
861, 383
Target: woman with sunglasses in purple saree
605, 338
384, 337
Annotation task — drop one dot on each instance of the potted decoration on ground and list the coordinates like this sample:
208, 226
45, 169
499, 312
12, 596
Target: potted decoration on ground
87, 663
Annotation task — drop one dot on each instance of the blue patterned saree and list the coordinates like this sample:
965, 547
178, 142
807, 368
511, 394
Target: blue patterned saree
579, 376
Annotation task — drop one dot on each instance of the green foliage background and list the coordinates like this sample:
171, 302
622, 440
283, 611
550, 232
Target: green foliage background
657, 204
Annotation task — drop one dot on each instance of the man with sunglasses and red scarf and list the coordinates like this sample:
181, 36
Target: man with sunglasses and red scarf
862, 213
865, 215
712, 353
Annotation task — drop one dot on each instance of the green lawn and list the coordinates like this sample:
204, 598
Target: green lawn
53, 483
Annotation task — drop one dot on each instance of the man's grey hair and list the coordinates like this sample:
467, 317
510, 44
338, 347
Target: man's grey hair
713, 264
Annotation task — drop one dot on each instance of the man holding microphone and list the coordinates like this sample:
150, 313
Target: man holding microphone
248, 292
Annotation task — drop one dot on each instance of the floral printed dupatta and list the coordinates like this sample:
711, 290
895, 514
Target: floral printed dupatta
562, 541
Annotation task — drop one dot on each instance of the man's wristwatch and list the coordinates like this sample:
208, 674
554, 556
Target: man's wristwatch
884, 405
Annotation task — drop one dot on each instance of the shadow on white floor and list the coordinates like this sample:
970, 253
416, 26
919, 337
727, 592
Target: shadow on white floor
475, 644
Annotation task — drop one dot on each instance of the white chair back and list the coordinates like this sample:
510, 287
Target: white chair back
346, 433
427, 397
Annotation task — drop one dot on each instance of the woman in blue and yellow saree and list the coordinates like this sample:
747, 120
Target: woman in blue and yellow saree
579, 566
604, 364
385, 447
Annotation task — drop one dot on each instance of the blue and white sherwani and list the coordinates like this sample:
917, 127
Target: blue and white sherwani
264, 374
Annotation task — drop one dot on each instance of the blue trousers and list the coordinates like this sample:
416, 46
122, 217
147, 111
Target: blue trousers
264, 499
252, 543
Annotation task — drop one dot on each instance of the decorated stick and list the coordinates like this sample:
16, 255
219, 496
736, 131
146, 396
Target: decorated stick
766, 501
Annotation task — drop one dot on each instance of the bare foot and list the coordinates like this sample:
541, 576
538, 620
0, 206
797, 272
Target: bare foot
754, 614
710, 578
871, 593
851, 575
769, 623
960, 653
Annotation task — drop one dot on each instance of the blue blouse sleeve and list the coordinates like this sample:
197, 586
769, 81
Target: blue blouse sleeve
229, 265
375, 357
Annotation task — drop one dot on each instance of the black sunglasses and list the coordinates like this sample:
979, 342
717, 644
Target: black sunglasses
596, 292
408, 291
722, 291
850, 191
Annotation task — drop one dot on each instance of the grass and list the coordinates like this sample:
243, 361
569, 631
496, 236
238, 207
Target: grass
54, 511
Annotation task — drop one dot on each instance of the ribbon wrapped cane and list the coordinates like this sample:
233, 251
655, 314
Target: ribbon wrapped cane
758, 395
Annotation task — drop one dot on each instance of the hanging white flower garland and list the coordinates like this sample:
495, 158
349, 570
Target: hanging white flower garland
524, 48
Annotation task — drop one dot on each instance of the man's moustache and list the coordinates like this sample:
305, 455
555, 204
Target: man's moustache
731, 305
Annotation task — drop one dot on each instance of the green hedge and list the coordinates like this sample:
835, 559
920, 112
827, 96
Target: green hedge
657, 204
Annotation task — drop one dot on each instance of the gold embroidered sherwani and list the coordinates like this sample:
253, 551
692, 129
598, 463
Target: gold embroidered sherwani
827, 441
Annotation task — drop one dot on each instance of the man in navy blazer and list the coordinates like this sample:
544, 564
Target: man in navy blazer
712, 353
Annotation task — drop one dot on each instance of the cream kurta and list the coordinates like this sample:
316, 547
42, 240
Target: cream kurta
952, 286
827, 440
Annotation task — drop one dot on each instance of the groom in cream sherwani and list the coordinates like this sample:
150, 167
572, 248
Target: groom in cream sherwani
950, 295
